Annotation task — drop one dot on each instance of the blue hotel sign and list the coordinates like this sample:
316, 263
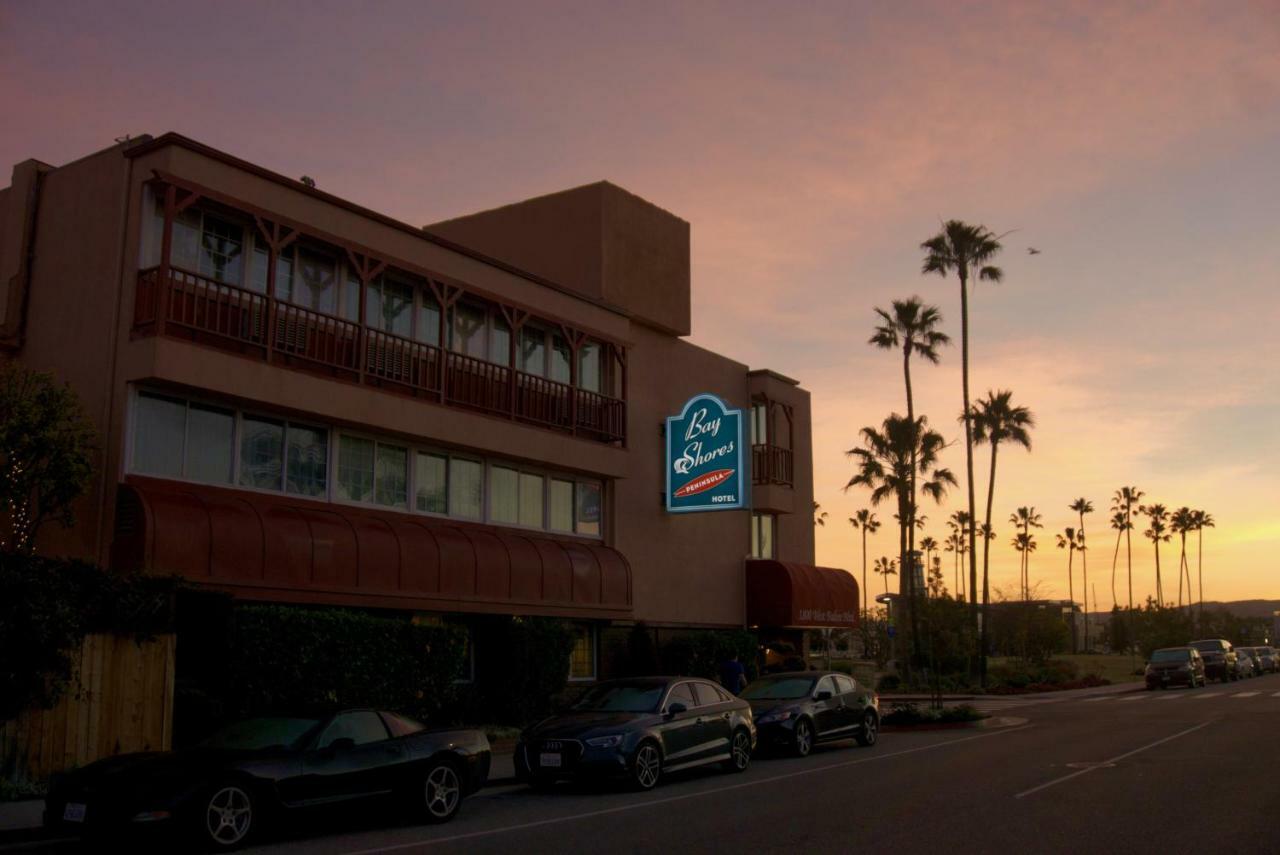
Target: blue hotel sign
706, 466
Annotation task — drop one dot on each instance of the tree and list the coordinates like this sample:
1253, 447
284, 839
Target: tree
1181, 522
1203, 521
958, 522
886, 567
1157, 532
954, 543
46, 454
1126, 501
1025, 543
1026, 519
819, 515
929, 546
1083, 506
913, 327
1072, 540
1121, 523
995, 420
866, 522
885, 464
967, 251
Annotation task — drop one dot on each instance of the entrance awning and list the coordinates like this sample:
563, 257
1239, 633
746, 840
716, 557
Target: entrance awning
282, 548
785, 594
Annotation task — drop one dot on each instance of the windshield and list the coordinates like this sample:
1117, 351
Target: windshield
255, 734
622, 697
1170, 656
779, 688
1207, 646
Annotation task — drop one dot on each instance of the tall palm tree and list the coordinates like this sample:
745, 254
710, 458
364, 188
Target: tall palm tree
1025, 543
967, 250
995, 419
885, 465
1071, 540
954, 543
1203, 520
1180, 522
1083, 506
913, 327
1157, 532
1026, 519
929, 546
866, 522
1126, 500
958, 522
886, 567
1121, 523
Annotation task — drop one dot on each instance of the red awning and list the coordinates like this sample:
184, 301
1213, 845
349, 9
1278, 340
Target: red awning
276, 547
783, 594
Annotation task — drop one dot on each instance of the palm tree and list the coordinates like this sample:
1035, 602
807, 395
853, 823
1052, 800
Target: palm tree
1157, 531
819, 515
886, 567
866, 522
1071, 540
958, 522
1203, 520
967, 250
1083, 506
1025, 543
1126, 500
1181, 522
886, 463
954, 543
1026, 519
1121, 523
929, 546
913, 327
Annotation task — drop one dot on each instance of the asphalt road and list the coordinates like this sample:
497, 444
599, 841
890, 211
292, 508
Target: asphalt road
1169, 772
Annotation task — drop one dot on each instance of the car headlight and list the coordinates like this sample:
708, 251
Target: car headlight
774, 716
611, 741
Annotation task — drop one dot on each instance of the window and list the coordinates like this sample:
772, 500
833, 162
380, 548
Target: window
759, 424
316, 286
355, 469
590, 365
500, 342
431, 482
428, 329
308, 461
561, 359
210, 438
826, 684
504, 502
844, 684
362, 728
560, 505
159, 436
261, 453
401, 725
207, 244
465, 488
389, 306
284, 269
392, 485
587, 518
762, 535
582, 659
681, 693
533, 351
708, 694
469, 330
531, 487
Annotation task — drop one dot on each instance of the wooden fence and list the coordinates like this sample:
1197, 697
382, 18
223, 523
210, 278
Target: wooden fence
119, 699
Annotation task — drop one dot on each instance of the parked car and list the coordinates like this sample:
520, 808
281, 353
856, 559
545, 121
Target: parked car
1175, 666
1269, 660
1247, 662
221, 791
801, 708
639, 730
1220, 659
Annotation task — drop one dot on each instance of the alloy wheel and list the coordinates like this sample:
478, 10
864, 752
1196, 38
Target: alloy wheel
741, 750
648, 766
442, 792
804, 738
228, 816
870, 729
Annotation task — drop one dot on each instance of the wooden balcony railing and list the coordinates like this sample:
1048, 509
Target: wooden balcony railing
191, 306
771, 464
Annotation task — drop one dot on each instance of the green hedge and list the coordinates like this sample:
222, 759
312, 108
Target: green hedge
48, 605
522, 668
295, 659
700, 653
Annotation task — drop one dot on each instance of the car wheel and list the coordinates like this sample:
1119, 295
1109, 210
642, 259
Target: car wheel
870, 730
739, 751
226, 816
646, 766
441, 792
802, 738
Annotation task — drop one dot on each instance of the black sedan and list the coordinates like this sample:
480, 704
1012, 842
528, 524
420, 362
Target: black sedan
801, 708
638, 730
225, 789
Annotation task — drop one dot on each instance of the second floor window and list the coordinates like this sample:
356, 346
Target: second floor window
759, 424
763, 535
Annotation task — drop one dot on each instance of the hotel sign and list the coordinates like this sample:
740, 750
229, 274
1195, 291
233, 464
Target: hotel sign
706, 464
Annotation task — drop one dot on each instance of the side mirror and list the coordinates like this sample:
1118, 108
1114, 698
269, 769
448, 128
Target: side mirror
824, 695
675, 709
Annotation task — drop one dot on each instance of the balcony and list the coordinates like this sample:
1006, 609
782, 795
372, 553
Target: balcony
771, 464
179, 303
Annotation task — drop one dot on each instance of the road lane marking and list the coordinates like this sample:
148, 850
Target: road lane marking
1105, 763
1095, 700
1276, 695
1210, 695
1134, 698
488, 832
1245, 694
1167, 697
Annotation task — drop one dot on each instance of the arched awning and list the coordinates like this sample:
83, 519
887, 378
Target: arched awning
278, 547
786, 594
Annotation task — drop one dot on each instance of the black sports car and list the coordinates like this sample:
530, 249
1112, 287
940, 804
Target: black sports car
800, 708
223, 790
638, 729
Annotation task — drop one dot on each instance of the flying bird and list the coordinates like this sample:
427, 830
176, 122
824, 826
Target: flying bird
1031, 250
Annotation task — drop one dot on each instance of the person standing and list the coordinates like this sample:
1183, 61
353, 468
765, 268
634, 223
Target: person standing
732, 675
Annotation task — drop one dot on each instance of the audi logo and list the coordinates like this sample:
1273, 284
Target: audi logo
552, 746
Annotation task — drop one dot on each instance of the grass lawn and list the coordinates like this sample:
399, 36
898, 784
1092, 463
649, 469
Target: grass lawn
1114, 667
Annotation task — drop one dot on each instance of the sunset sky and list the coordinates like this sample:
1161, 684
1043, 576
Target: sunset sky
1136, 145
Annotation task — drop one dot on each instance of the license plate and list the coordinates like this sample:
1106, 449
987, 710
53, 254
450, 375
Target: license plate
551, 761
74, 812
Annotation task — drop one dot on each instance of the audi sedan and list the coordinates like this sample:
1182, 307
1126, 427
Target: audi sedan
801, 708
1174, 666
638, 730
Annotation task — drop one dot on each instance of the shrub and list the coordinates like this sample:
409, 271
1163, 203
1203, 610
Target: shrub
700, 653
911, 714
522, 667
889, 683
